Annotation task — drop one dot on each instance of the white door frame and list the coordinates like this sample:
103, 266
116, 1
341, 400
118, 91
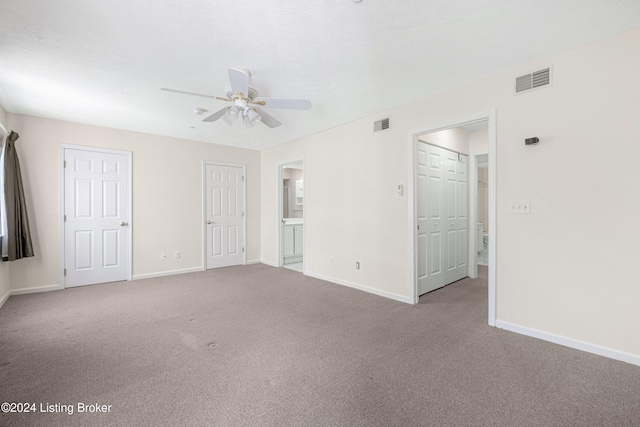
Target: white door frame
490, 116
279, 224
204, 209
61, 182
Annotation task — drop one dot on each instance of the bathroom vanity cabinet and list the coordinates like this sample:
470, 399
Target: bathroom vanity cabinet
293, 243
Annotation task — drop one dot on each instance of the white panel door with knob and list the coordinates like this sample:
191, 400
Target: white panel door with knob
96, 217
224, 215
441, 216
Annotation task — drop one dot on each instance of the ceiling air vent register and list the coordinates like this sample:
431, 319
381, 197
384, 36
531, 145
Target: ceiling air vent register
534, 80
381, 125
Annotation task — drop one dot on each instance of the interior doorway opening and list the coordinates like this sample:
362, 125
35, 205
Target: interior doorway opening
481, 190
471, 136
291, 202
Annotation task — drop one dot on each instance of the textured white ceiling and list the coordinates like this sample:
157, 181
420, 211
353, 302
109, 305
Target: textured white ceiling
104, 62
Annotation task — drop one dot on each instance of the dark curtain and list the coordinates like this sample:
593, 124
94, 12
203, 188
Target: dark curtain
19, 236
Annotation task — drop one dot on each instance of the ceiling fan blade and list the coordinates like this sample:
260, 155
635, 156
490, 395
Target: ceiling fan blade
215, 116
291, 104
195, 94
239, 81
187, 93
267, 119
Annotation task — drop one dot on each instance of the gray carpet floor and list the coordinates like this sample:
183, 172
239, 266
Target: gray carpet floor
256, 345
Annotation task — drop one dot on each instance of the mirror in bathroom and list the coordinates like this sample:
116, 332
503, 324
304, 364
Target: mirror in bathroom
293, 191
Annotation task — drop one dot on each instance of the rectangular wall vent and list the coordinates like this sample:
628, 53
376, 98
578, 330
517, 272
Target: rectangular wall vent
533, 80
381, 125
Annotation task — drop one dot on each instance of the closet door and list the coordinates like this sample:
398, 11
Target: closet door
96, 216
442, 217
225, 226
430, 218
457, 222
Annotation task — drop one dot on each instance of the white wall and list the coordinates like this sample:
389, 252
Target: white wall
568, 268
167, 195
5, 285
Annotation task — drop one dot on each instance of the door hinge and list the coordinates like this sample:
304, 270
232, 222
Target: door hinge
242, 213
242, 250
243, 177
64, 163
418, 226
65, 271
65, 218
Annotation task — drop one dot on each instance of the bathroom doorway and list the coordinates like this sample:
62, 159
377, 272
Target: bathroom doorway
291, 215
482, 209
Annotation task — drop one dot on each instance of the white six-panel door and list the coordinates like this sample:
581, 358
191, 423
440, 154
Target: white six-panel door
430, 219
224, 211
457, 222
442, 217
96, 217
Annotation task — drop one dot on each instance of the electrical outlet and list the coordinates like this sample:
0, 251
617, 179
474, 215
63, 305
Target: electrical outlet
176, 255
163, 255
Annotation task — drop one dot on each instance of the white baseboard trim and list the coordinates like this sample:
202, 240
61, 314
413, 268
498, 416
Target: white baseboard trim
269, 263
166, 273
359, 287
253, 261
35, 290
4, 298
622, 356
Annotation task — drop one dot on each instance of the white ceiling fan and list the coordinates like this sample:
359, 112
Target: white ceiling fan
246, 102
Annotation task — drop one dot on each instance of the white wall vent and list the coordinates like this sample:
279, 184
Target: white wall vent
534, 80
381, 125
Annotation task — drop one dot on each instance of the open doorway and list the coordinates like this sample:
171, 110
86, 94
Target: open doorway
482, 209
472, 135
291, 215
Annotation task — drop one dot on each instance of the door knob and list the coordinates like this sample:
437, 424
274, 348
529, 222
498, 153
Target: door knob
209, 222
123, 224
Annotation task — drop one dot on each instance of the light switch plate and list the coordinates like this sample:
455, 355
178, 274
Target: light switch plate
520, 207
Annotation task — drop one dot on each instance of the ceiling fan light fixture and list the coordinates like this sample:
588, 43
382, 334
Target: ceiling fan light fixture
231, 115
244, 98
253, 116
